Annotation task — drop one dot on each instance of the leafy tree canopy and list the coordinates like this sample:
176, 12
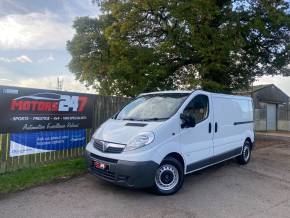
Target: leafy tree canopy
148, 45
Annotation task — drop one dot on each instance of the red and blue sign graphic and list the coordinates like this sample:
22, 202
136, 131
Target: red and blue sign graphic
30, 110
46, 141
41, 120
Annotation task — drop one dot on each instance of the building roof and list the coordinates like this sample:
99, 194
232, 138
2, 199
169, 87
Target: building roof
258, 87
268, 93
252, 89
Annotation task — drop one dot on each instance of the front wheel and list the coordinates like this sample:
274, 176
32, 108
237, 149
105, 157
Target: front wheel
169, 177
245, 157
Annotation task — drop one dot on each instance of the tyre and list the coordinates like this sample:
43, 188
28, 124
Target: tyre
168, 177
245, 157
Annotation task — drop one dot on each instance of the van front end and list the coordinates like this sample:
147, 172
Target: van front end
114, 167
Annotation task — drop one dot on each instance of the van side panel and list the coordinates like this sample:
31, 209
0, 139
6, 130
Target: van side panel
234, 119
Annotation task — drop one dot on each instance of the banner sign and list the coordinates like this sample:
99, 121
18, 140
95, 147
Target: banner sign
45, 141
24, 110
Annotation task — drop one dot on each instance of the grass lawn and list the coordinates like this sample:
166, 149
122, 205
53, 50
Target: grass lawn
30, 177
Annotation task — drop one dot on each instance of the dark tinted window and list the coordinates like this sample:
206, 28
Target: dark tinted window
198, 107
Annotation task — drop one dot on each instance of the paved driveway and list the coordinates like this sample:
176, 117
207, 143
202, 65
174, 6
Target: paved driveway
260, 189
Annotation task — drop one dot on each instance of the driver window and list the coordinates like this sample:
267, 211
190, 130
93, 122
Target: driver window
198, 107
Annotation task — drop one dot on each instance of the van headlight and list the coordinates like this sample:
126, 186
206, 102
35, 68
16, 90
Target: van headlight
142, 139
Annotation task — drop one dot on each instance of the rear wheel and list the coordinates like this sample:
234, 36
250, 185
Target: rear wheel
245, 157
169, 177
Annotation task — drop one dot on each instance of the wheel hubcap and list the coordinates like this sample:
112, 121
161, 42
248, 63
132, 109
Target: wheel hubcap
246, 153
167, 177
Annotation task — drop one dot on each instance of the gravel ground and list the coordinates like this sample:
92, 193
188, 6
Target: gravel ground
260, 189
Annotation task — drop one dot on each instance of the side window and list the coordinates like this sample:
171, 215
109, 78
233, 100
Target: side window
198, 107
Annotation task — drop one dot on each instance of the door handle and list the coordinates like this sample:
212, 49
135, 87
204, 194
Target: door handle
215, 127
209, 127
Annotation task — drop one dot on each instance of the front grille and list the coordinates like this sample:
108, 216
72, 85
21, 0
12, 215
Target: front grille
114, 150
98, 145
105, 147
109, 160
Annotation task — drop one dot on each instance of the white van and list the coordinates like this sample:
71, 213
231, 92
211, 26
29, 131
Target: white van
159, 137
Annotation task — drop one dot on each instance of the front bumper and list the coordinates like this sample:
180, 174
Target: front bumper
125, 173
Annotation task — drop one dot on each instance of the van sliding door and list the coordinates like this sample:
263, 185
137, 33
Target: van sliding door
229, 137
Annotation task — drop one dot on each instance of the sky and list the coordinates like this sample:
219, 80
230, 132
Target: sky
33, 36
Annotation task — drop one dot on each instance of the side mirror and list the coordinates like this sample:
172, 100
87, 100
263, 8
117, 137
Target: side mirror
187, 121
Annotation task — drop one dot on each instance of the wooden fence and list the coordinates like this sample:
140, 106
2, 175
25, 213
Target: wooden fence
105, 107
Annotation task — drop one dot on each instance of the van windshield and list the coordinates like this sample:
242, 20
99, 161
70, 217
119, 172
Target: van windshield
152, 107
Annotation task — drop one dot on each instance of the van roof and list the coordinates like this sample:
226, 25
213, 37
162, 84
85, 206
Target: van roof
190, 91
169, 92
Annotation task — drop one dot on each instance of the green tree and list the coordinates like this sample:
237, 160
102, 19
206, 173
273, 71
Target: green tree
148, 45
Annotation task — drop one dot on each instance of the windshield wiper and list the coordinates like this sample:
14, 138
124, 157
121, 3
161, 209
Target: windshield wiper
149, 119
132, 119
154, 119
